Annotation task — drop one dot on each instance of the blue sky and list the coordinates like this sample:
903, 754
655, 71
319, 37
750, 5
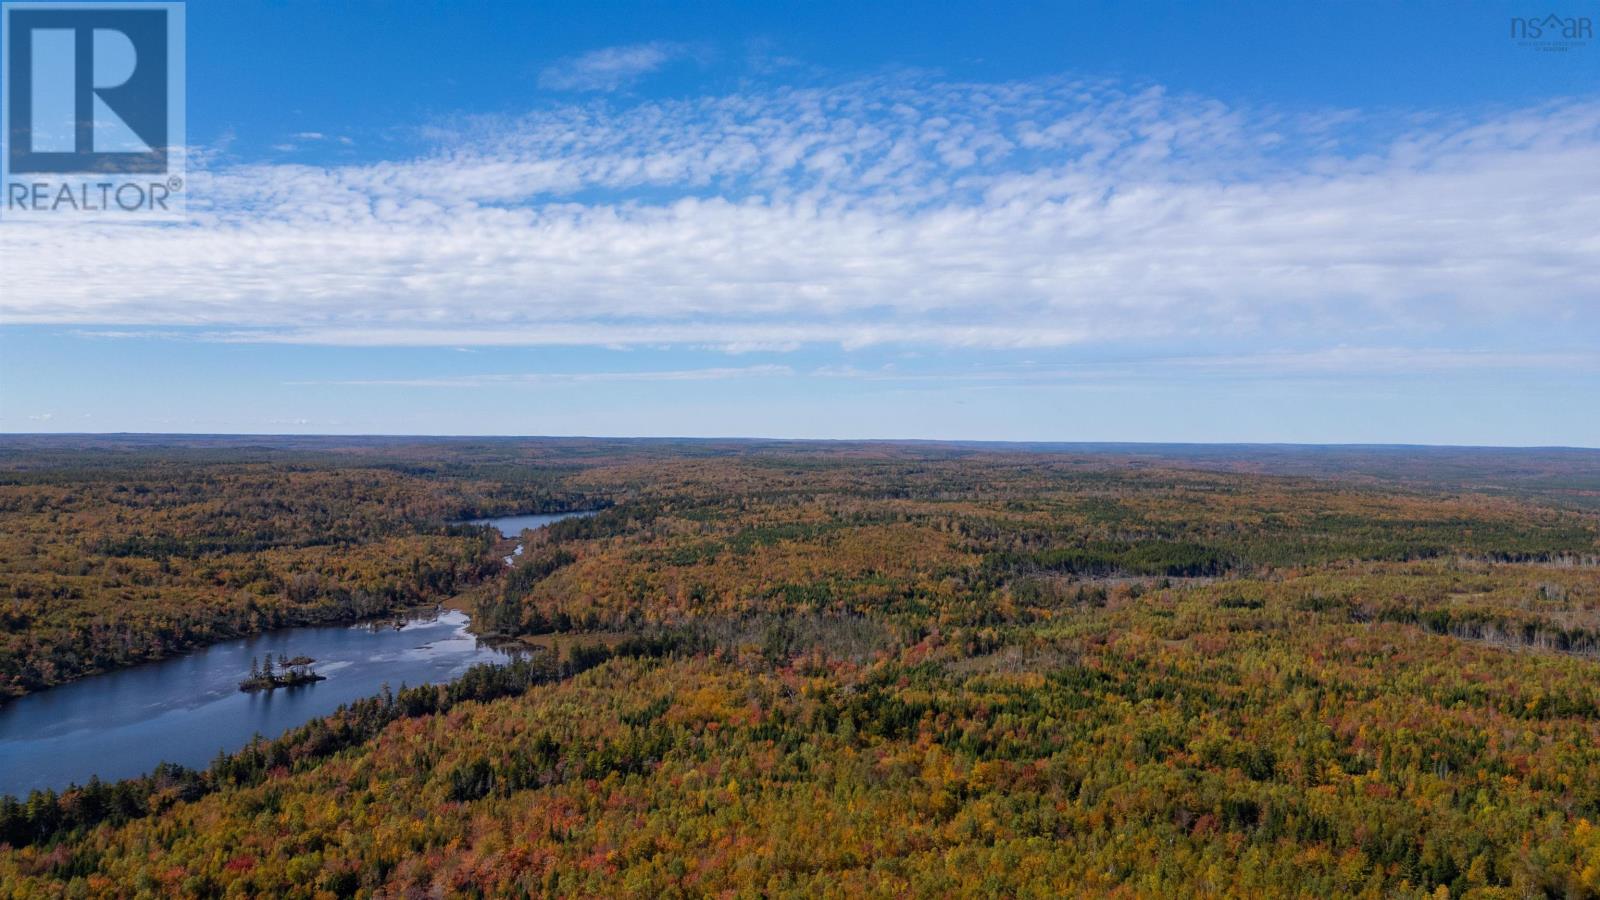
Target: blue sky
1342, 222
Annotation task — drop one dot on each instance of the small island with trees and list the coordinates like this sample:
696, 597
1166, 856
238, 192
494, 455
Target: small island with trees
280, 672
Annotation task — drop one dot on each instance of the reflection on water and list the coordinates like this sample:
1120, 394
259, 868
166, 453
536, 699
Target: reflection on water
511, 526
186, 709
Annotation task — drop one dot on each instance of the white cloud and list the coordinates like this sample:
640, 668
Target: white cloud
1342, 362
1346, 363
531, 379
1383, 361
610, 68
897, 211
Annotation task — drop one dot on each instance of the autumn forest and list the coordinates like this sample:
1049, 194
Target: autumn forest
835, 669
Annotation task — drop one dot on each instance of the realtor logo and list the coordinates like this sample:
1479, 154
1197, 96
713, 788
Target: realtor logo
1552, 33
92, 109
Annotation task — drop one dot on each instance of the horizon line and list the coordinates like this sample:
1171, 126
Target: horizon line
793, 440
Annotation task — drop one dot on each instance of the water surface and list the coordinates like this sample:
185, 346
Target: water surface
511, 526
185, 709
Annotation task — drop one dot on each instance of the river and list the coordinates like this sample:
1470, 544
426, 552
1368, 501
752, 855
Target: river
185, 709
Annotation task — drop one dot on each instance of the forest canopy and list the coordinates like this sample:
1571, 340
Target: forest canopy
838, 669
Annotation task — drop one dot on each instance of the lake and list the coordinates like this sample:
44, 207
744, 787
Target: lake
511, 526
183, 710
